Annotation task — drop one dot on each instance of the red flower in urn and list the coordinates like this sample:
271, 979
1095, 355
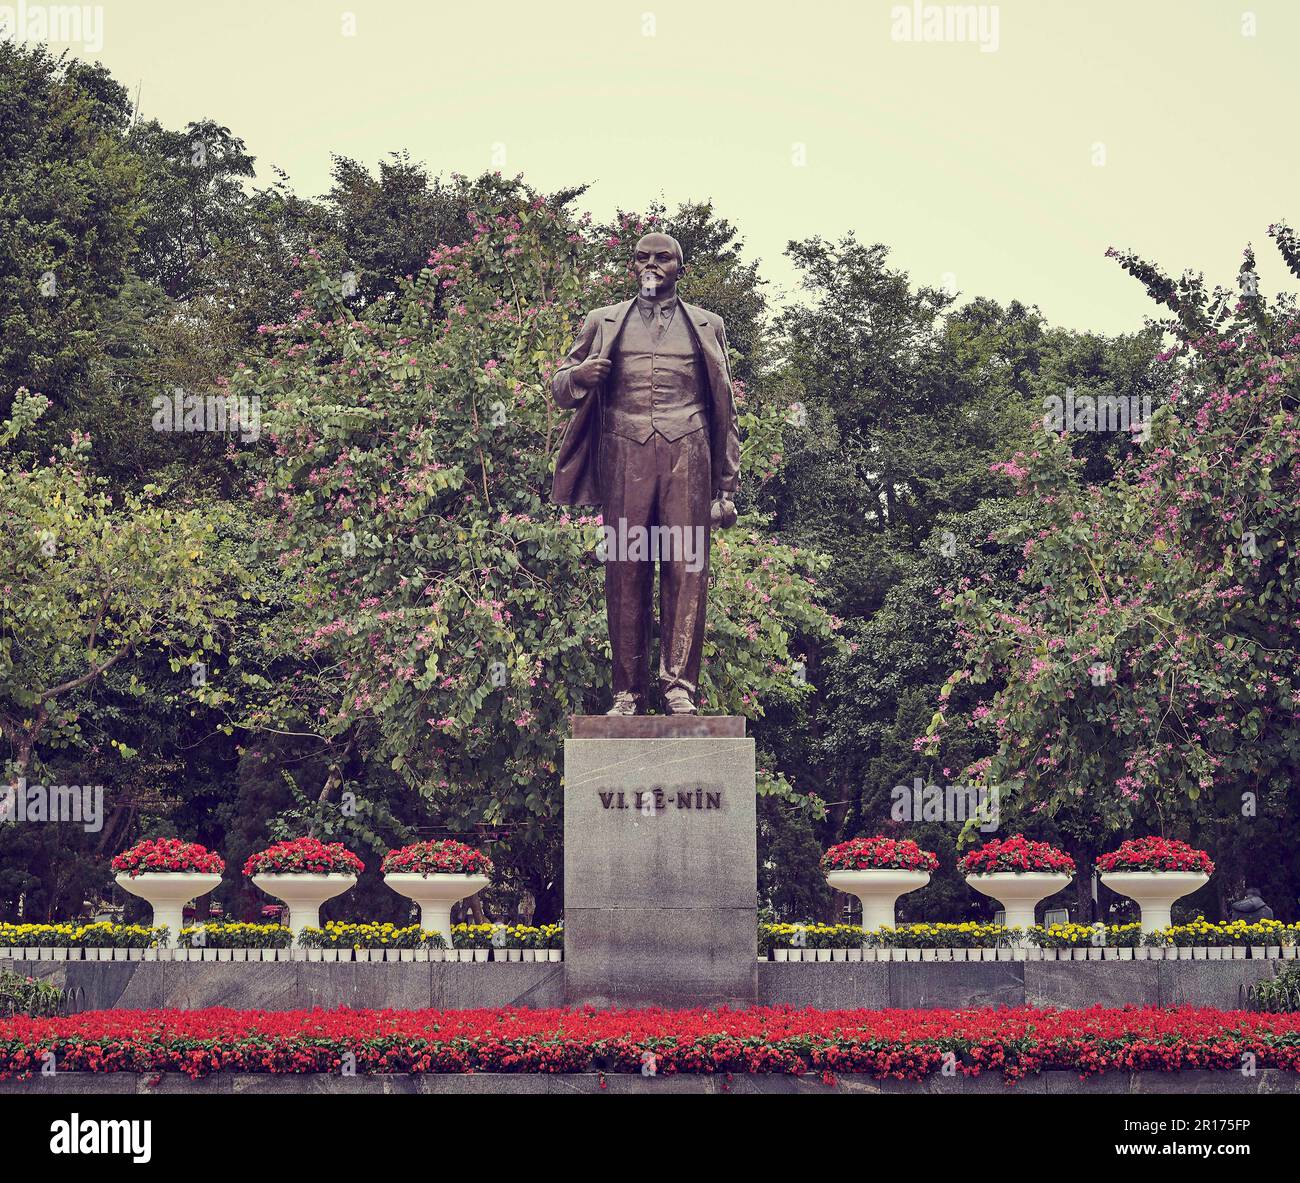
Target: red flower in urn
1016, 854
168, 856
304, 856
1156, 854
879, 853
438, 857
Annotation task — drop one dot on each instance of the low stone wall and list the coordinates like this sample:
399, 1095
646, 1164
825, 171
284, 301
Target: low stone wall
300, 985
937, 984
1266, 1081
190, 985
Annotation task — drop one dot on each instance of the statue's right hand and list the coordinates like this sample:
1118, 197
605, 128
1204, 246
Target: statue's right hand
591, 372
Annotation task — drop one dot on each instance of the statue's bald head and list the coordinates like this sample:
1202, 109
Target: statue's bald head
656, 242
658, 263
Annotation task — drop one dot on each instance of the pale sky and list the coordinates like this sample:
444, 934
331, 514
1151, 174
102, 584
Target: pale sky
977, 164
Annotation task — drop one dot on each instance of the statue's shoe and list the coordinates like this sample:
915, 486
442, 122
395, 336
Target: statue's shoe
625, 704
678, 702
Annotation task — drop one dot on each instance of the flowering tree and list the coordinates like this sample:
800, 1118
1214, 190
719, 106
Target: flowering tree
1148, 670
447, 617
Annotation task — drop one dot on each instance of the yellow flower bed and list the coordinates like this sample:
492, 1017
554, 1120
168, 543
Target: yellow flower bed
336, 934
970, 934
1242, 933
101, 934
507, 936
967, 935
235, 934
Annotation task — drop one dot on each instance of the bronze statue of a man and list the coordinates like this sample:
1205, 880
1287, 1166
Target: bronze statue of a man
654, 443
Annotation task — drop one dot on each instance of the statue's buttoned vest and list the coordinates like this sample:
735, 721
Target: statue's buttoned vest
656, 382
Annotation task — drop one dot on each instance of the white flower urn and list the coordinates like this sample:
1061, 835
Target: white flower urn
1019, 892
878, 889
435, 893
1154, 892
168, 892
304, 893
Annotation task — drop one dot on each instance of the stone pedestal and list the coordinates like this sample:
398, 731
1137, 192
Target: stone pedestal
660, 862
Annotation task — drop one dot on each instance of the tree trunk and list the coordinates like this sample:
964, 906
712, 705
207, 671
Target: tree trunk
550, 902
1084, 905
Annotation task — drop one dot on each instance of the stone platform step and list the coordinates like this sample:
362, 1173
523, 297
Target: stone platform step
1053, 1083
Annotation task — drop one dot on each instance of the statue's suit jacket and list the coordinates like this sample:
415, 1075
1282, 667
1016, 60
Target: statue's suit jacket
577, 476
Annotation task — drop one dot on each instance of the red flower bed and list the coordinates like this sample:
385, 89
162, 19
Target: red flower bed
906, 1044
168, 854
879, 853
438, 857
1156, 854
1016, 853
304, 856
